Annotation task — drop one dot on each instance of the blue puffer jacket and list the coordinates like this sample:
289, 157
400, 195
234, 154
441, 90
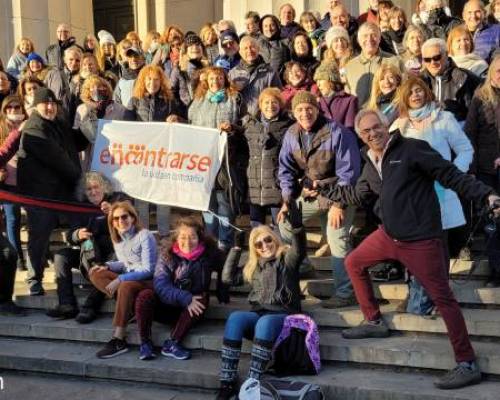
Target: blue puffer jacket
487, 41
177, 279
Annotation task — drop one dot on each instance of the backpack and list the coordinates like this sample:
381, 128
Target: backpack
279, 389
296, 351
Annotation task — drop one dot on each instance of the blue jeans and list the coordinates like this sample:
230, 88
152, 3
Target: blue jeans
338, 240
13, 227
219, 228
250, 325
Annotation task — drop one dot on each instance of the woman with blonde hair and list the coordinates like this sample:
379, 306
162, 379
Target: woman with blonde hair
152, 100
386, 81
494, 12
136, 254
163, 55
272, 270
392, 39
107, 58
413, 40
339, 48
135, 39
460, 45
17, 62
209, 38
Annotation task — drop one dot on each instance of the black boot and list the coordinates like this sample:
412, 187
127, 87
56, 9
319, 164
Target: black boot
91, 306
63, 311
230, 358
261, 355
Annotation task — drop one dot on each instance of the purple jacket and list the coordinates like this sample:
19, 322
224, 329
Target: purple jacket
341, 108
486, 41
334, 153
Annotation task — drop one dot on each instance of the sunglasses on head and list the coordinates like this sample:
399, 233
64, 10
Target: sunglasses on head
260, 244
122, 217
437, 57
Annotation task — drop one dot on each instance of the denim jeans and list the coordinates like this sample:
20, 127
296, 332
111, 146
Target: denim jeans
13, 227
219, 227
250, 325
338, 240
162, 216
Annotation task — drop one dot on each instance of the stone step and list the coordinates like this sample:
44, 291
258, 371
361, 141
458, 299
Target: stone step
396, 351
338, 381
483, 323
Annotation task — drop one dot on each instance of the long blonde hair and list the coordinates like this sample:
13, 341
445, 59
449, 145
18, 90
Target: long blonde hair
487, 92
253, 257
375, 92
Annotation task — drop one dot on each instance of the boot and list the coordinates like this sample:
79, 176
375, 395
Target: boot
260, 356
230, 358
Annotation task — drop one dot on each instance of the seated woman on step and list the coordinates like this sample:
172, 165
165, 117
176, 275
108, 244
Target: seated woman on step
181, 288
272, 270
136, 251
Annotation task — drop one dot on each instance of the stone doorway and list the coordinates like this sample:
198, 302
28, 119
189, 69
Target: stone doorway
115, 16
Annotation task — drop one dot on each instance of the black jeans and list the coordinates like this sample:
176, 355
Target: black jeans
8, 259
64, 261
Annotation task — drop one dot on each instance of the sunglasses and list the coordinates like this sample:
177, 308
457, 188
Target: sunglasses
122, 217
436, 58
11, 107
260, 244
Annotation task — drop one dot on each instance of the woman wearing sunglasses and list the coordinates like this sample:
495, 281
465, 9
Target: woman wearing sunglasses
135, 249
272, 270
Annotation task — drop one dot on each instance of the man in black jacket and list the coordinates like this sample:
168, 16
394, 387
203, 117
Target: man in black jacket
398, 178
48, 167
55, 52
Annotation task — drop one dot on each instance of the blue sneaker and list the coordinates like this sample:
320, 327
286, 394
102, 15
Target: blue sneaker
174, 350
146, 351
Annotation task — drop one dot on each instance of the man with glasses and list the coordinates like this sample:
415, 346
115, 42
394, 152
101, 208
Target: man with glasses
48, 168
399, 177
55, 52
452, 86
230, 44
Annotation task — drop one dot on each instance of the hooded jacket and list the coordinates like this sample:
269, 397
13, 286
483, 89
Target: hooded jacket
274, 50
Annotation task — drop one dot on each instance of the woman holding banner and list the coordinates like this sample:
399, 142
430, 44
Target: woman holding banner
135, 249
152, 100
216, 105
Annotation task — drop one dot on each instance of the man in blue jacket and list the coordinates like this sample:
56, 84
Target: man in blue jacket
317, 151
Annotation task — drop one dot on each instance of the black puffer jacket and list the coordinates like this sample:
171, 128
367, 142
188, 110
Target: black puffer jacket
264, 142
454, 89
275, 51
275, 282
154, 108
48, 164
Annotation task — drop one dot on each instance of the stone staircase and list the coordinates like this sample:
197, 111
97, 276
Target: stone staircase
400, 367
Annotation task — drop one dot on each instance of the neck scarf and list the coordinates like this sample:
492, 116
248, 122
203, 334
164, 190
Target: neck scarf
192, 255
217, 97
421, 113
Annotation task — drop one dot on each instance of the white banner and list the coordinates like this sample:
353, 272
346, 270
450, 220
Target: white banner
163, 163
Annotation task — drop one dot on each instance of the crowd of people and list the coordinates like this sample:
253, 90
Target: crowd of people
390, 116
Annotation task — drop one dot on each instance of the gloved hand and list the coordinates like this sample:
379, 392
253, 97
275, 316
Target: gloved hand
294, 214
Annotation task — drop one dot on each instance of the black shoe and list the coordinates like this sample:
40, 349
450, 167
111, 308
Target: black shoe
86, 316
10, 309
227, 391
63, 311
460, 376
388, 273
367, 330
36, 289
113, 348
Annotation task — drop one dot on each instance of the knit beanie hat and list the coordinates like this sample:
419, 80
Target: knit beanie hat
303, 96
327, 71
35, 57
335, 32
44, 95
105, 37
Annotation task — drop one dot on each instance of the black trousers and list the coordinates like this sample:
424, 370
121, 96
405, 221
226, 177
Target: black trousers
8, 259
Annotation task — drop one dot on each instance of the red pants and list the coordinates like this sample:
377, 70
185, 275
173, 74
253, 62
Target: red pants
425, 260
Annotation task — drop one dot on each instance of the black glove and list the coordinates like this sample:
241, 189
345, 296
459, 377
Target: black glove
230, 265
294, 214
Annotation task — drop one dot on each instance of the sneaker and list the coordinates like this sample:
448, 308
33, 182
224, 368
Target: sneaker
11, 309
113, 348
36, 289
63, 311
174, 350
227, 391
146, 351
86, 316
367, 330
339, 302
464, 374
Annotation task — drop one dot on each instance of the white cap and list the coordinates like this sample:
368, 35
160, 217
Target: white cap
105, 37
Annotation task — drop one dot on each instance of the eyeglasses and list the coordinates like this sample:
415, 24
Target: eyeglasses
260, 244
122, 217
13, 107
436, 58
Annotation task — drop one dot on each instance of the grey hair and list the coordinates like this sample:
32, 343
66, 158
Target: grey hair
435, 42
93, 176
73, 49
363, 113
409, 31
369, 26
251, 39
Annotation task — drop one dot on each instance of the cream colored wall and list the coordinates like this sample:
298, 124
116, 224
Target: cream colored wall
38, 20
